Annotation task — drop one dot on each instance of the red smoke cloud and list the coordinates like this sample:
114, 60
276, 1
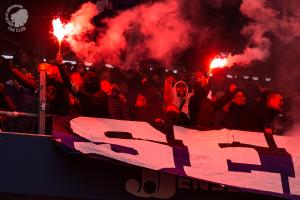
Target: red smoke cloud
82, 25
149, 31
265, 19
159, 31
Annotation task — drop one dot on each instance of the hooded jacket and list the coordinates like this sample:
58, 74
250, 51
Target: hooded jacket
181, 102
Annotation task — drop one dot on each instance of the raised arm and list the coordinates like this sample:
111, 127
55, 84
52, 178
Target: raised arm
25, 80
226, 98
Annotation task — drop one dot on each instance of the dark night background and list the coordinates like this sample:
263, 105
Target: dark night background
224, 20
37, 38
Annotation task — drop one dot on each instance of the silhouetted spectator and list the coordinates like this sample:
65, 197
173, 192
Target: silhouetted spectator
92, 99
238, 116
117, 103
203, 109
181, 97
265, 116
142, 112
175, 116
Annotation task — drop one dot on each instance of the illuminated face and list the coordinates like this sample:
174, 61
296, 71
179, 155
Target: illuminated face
76, 79
199, 76
239, 99
181, 90
141, 101
106, 86
275, 102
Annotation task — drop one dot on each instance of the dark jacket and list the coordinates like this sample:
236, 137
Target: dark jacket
92, 104
117, 107
202, 110
238, 118
178, 119
264, 117
147, 114
152, 94
200, 93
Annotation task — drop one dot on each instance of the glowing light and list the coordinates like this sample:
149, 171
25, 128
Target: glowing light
218, 63
7, 56
73, 62
109, 66
268, 79
88, 64
60, 30
229, 76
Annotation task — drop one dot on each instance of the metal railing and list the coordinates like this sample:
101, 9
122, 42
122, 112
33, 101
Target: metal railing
41, 115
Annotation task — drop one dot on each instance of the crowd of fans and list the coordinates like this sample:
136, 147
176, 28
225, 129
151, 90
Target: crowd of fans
184, 99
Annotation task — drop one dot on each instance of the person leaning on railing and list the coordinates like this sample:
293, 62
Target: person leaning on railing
57, 95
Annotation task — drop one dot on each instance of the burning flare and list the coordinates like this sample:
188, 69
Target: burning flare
60, 30
218, 62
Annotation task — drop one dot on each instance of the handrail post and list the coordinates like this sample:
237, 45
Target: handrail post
42, 102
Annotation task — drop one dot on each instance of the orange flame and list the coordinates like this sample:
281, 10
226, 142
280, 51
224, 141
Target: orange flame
60, 30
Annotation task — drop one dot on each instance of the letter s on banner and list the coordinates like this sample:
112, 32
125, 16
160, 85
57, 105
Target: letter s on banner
150, 154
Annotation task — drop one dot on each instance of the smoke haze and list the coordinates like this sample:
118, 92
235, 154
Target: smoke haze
169, 31
150, 31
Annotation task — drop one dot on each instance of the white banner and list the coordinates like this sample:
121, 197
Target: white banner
230, 157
